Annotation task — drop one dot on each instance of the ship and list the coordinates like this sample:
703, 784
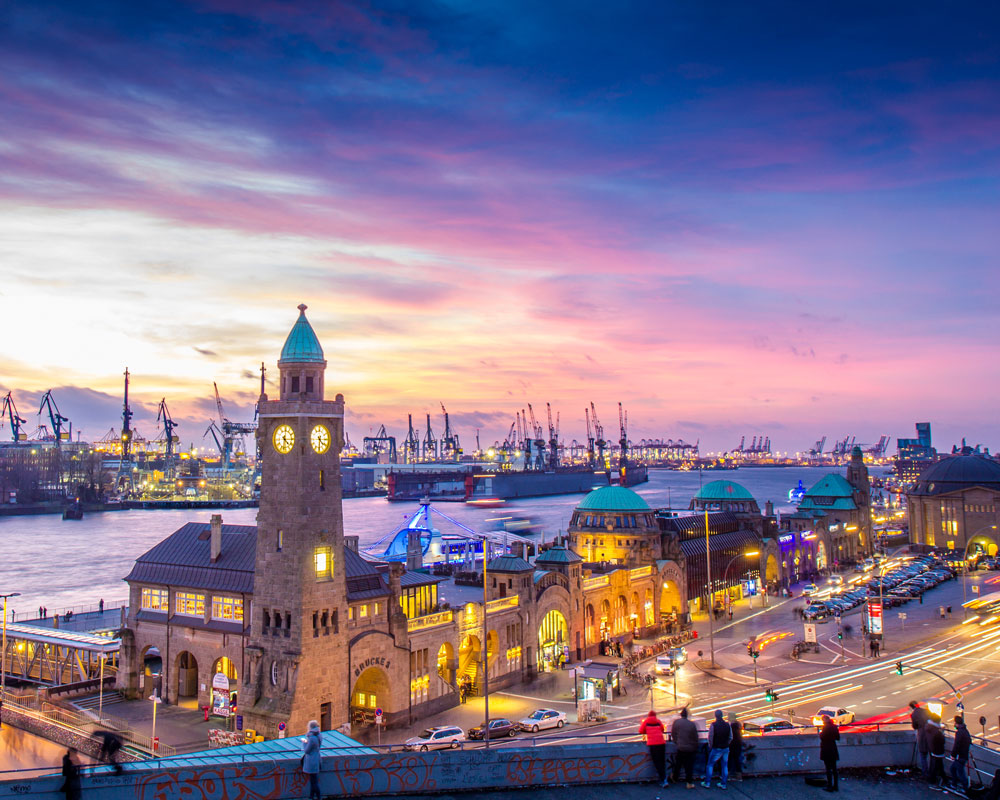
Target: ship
795, 495
491, 488
458, 545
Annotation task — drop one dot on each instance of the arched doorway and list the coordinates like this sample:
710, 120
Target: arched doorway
670, 602
605, 621
187, 679
771, 570
621, 614
648, 610
820, 556
590, 624
469, 658
370, 691
635, 614
226, 667
553, 636
981, 544
223, 687
446, 663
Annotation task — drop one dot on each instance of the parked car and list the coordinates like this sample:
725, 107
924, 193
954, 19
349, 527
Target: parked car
840, 716
499, 728
761, 725
808, 589
437, 738
541, 719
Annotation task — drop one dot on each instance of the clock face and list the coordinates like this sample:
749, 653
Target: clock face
320, 439
284, 438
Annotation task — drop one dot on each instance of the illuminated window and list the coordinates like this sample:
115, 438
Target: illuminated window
155, 599
350, 612
228, 608
376, 609
363, 611
189, 603
324, 563
281, 540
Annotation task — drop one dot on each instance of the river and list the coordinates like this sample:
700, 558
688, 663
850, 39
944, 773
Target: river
60, 563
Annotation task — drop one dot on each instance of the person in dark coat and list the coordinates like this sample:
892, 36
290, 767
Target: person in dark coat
684, 734
311, 750
110, 745
652, 730
719, 737
71, 775
735, 749
960, 753
829, 754
918, 719
936, 748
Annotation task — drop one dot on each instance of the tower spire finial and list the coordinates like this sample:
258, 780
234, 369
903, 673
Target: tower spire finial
302, 308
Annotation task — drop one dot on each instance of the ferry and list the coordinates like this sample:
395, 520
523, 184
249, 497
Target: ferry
795, 495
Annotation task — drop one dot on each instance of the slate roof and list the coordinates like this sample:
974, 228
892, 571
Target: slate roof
693, 548
831, 492
419, 579
364, 581
958, 472
613, 498
694, 524
184, 559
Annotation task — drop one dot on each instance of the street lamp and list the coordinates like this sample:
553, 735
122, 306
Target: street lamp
711, 595
748, 554
3, 657
486, 649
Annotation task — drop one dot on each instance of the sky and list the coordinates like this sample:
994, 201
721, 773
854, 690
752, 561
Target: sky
734, 218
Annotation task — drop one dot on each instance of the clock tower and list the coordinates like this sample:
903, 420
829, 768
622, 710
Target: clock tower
297, 643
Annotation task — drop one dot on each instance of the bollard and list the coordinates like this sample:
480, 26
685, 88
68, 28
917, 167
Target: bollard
205, 709
156, 744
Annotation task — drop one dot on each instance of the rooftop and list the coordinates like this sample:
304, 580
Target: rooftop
302, 345
723, 490
558, 555
613, 498
958, 472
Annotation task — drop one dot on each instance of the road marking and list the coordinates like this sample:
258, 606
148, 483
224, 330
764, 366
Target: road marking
899, 692
883, 697
979, 706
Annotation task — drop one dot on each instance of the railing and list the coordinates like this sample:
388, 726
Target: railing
640, 572
429, 621
91, 608
502, 604
596, 583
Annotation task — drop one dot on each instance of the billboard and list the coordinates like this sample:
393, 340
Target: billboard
875, 617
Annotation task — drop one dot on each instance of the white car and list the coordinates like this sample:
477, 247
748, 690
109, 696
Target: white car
664, 665
436, 738
541, 719
839, 716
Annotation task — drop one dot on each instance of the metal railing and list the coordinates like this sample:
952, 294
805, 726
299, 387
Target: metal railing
430, 621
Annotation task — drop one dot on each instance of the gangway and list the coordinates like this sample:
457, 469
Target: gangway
57, 657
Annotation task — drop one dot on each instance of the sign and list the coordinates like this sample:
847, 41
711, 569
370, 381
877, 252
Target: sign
975, 588
810, 628
221, 697
281, 730
378, 716
875, 617
281, 726
787, 538
239, 722
902, 615
960, 706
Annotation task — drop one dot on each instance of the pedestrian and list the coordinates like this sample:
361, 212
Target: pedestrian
651, 730
941, 610
45, 612
110, 745
719, 737
960, 754
871, 647
920, 597
829, 754
878, 647
730, 612
71, 775
684, 734
848, 630
935, 746
735, 749
310, 758
100, 605
39, 612
918, 720
949, 612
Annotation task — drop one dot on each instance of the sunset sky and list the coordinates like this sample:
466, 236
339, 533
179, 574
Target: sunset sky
735, 218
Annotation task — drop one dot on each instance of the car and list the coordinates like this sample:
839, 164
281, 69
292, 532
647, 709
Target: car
839, 716
761, 725
679, 655
664, 665
498, 729
836, 580
809, 588
437, 738
541, 719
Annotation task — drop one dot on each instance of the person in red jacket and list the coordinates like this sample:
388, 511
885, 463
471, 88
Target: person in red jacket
651, 729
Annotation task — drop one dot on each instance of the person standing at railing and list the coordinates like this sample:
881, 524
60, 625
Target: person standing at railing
311, 758
71, 775
918, 719
829, 753
936, 746
651, 729
684, 734
960, 753
719, 737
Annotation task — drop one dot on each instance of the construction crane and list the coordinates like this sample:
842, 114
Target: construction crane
430, 443
231, 431
411, 445
622, 443
450, 447
58, 420
380, 444
163, 415
599, 441
524, 437
16, 421
590, 438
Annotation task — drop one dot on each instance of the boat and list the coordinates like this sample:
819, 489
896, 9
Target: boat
73, 511
795, 495
486, 502
457, 545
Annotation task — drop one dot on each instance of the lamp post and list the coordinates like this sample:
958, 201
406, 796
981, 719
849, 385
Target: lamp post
711, 594
486, 649
3, 657
100, 701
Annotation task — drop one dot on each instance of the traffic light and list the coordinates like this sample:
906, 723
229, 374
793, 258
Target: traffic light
771, 696
899, 667
840, 635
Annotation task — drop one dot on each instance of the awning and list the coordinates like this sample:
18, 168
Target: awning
597, 669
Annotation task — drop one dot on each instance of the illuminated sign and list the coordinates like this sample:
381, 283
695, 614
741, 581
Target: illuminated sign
875, 616
787, 538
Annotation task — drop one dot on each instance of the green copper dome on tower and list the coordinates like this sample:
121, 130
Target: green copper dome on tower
302, 346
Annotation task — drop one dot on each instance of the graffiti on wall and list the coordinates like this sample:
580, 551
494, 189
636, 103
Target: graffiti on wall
246, 782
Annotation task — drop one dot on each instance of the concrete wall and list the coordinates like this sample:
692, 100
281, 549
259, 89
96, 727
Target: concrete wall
457, 770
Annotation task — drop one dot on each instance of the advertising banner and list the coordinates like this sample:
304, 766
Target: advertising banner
875, 617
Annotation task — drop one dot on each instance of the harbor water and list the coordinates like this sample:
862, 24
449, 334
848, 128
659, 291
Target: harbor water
63, 564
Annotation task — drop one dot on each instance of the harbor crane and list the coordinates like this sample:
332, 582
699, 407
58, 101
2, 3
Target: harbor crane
450, 447
622, 443
599, 441
525, 438
553, 440
411, 445
163, 415
380, 444
232, 432
216, 434
430, 443
59, 422
125, 464
590, 438
539, 442
16, 421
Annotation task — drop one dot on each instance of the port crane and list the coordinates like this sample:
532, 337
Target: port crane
450, 447
16, 421
379, 444
216, 434
163, 415
411, 444
599, 441
231, 431
59, 422
590, 438
622, 443
431, 451
553, 439
525, 437
125, 463
539, 442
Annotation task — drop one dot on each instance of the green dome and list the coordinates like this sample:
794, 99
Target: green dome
302, 346
723, 490
613, 498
